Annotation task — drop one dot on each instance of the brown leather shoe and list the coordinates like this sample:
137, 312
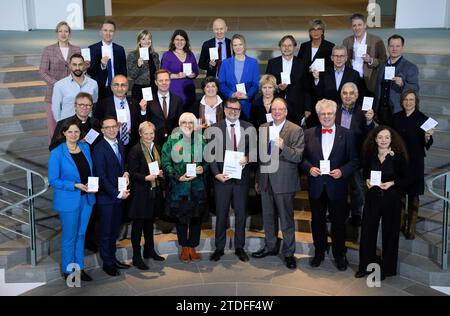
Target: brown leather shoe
184, 256
194, 255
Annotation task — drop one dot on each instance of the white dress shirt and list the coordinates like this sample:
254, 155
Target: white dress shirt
358, 62
112, 58
327, 142
127, 109
287, 64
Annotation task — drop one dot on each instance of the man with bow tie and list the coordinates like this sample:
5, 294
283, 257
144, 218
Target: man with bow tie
329, 158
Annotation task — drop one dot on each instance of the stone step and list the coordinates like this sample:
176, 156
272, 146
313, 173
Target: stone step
22, 75
19, 90
23, 122
428, 59
13, 143
442, 119
434, 104
25, 60
435, 87
21, 108
441, 138
433, 72
437, 157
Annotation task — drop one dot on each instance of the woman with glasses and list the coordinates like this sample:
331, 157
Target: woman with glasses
185, 171
239, 76
178, 60
69, 167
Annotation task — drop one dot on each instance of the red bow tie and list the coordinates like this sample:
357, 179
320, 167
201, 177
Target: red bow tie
327, 130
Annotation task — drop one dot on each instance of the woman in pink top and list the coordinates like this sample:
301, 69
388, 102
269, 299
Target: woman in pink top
55, 66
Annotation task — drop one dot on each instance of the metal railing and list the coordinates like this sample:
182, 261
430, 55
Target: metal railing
27, 199
446, 207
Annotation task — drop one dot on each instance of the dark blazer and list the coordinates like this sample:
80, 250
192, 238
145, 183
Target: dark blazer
106, 107
203, 62
143, 202
155, 115
243, 146
85, 128
296, 93
343, 156
101, 75
326, 88
324, 51
108, 168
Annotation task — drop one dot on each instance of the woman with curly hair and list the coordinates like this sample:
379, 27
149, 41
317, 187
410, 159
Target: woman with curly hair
383, 151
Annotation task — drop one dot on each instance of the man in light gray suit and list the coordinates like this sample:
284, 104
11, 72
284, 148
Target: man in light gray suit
388, 91
278, 187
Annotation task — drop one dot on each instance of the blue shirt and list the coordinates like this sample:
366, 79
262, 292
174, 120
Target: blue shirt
338, 74
238, 69
346, 118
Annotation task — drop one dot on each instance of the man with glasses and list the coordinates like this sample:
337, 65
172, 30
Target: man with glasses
236, 135
108, 158
83, 108
329, 159
66, 89
328, 84
285, 144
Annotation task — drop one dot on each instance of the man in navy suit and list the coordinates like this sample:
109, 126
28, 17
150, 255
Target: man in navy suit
223, 45
117, 103
109, 163
329, 158
103, 68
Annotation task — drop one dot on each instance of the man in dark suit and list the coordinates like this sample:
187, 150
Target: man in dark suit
104, 68
330, 157
235, 135
83, 108
295, 93
165, 109
109, 164
277, 180
123, 109
328, 84
223, 45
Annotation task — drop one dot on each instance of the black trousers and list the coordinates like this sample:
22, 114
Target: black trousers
384, 205
338, 213
139, 227
189, 234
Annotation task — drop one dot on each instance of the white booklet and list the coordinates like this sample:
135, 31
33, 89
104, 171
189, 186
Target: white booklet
285, 77
190, 170
147, 94
92, 184
241, 87
122, 115
91, 136
231, 166
86, 53
361, 50
389, 73
213, 53
429, 124
187, 68
367, 103
325, 167
318, 64
153, 168
121, 184
106, 51
143, 53
375, 177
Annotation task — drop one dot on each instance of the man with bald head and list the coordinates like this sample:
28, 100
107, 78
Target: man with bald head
223, 44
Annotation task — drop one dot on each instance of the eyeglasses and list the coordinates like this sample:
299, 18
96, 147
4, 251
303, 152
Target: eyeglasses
86, 106
232, 109
326, 114
112, 127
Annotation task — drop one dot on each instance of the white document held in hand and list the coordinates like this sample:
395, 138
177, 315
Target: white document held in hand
187, 68
285, 77
375, 177
389, 73
153, 168
147, 94
92, 184
318, 64
361, 50
324, 167
429, 124
91, 136
121, 184
231, 166
86, 53
273, 133
269, 117
143, 53
121, 115
367, 103
190, 170
106, 51
241, 87
213, 53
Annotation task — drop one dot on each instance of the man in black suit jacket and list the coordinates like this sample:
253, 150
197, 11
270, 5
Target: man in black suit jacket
212, 66
295, 93
334, 145
328, 84
109, 164
128, 132
235, 135
83, 108
153, 111
103, 68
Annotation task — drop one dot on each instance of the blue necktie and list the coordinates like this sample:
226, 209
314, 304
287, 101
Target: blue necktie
269, 148
110, 76
117, 152
124, 137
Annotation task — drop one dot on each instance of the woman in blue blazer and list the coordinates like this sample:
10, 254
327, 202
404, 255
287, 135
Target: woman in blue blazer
240, 69
69, 167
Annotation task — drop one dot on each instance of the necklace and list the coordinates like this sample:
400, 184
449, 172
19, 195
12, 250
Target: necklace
72, 149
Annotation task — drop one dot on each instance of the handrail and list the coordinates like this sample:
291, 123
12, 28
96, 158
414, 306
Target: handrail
446, 208
29, 198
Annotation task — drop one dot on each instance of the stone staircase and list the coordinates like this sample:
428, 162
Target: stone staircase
23, 139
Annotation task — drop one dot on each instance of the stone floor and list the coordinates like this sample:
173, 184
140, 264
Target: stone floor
231, 277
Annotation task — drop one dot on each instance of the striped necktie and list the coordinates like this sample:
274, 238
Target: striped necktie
124, 137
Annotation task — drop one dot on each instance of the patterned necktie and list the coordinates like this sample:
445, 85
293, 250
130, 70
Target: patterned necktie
233, 137
109, 68
124, 137
219, 61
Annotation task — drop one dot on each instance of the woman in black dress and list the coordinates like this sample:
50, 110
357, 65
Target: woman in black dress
383, 151
407, 123
146, 194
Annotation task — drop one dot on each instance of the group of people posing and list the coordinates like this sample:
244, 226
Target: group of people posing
160, 152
